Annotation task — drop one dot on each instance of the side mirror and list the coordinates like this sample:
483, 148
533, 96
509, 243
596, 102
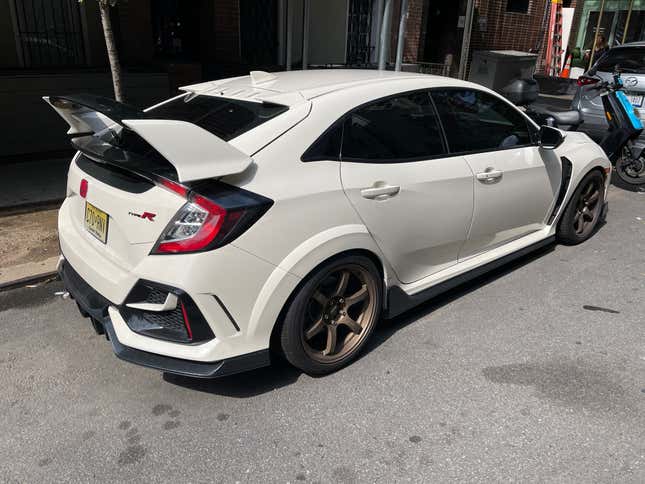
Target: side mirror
550, 138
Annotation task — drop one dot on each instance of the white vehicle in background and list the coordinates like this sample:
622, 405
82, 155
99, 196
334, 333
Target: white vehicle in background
288, 212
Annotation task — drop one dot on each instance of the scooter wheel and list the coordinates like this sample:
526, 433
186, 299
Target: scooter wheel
631, 170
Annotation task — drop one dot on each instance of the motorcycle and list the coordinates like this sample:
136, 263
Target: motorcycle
624, 128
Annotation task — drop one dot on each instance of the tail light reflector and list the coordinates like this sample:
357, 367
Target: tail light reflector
82, 189
586, 81
186, 321
175, 187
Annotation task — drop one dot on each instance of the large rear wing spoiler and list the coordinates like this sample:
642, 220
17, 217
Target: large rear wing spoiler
194, 152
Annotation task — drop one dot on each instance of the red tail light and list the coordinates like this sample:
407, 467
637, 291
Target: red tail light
586, 81
211, 218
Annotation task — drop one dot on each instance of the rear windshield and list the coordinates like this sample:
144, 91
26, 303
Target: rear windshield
629, 59
225, 118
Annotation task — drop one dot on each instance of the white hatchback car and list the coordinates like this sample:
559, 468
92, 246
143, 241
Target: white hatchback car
290, 211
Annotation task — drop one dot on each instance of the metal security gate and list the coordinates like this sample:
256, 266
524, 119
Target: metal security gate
359, 30
49, 32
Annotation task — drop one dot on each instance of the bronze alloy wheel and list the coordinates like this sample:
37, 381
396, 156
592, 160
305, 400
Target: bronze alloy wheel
339, 314
585, 210
588, 207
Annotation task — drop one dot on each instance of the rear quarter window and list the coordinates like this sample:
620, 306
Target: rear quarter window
225, 118
630, 60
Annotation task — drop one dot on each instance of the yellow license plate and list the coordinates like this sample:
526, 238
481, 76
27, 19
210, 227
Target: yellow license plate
96, 222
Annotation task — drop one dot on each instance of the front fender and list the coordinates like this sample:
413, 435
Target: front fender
584, 155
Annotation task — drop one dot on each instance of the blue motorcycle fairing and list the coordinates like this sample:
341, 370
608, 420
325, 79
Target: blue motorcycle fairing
629, 109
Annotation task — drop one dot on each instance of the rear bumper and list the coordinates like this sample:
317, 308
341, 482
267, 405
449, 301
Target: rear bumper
94, 305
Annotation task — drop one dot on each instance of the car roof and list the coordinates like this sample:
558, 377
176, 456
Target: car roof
293, 87
640, 43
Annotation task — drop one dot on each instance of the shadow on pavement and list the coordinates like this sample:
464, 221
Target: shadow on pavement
387, 328
280, 373
243, 385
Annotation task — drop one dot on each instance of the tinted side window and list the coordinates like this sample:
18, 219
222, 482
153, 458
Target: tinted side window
393, 129
327, 147
476, 121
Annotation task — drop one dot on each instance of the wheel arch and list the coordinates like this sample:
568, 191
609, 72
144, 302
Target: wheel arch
274, 340
279, 288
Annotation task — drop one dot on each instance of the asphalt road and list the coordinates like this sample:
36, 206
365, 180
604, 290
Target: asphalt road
534, 373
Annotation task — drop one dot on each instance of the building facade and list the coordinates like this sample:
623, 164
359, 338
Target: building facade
57, 46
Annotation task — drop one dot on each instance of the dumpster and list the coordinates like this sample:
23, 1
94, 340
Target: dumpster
496, 69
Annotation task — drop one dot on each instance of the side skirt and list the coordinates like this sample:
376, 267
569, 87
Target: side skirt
399, 301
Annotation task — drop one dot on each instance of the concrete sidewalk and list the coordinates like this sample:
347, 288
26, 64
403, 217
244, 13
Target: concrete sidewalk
30, 192
28, 247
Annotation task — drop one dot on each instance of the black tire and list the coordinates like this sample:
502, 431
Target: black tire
631, 171
584, 210
319, 309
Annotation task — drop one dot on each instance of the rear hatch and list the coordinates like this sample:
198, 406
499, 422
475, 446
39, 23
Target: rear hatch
135, 169
121, 214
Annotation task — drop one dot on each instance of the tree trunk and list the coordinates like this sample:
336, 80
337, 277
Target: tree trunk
113, 56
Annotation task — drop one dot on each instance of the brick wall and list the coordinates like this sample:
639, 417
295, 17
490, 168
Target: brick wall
495, 28
413, 32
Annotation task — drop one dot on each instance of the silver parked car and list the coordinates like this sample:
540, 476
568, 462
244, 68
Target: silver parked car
630, 58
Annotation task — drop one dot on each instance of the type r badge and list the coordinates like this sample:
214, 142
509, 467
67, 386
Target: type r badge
147, 215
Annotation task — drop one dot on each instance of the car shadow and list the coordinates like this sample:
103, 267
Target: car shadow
388, 327
280, 373
242, 385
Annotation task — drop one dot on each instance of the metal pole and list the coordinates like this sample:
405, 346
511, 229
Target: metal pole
377, 22
465, 41
281, 32
629, 16
305, 34
401, 40
289, 33
385, 35
595, 37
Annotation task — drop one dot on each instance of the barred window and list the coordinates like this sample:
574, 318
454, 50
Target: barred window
50, 32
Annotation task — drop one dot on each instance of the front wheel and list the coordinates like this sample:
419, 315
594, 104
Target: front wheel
584, 211
630, 169
332, 315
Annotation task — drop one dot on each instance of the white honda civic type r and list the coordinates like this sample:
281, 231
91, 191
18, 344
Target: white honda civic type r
286, 213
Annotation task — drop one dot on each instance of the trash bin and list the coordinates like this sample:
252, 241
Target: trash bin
496, 69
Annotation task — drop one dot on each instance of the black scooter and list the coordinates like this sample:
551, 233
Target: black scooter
624, 128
